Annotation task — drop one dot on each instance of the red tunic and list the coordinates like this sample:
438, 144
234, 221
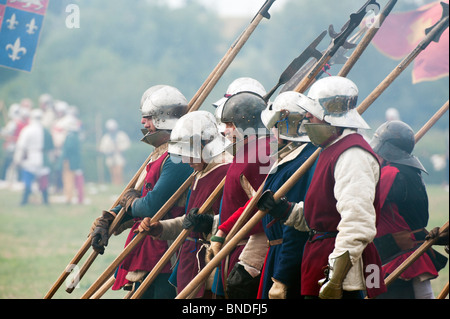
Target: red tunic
149, 251
322, 216
192, 254
391, 222
253, 161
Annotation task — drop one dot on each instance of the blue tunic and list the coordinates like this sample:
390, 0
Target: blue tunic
283, 261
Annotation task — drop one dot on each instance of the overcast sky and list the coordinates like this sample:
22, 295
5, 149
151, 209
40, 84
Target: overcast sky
235, 7
250, 7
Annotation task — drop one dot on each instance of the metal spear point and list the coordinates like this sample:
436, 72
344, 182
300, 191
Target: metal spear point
297, 63
339, 39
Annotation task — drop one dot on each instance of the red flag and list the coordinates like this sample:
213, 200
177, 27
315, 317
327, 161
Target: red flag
402, 32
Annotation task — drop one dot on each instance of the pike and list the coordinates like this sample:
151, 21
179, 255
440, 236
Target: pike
367, 38
138, 238
339, 39
297, 63
338, 58
212, 198
193, 105
220, 69
433, 35
413, 257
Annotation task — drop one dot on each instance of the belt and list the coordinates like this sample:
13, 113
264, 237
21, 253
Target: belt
320, 235
274, 242
201, 241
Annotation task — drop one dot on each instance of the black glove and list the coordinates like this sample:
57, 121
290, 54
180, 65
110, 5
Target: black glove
100, 235
241, 285
202, 223
279, 210
128, 197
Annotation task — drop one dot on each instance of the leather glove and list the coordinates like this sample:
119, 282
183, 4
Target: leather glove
100, 234
331, 285
279, 210
404, 240
278, 290
128, 197
442, 237
153, 228
201, 223
216, 243
240, 284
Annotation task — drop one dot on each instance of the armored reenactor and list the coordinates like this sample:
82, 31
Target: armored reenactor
196, 140
251, 164
342, 203
281, 274
162, 107
404, 213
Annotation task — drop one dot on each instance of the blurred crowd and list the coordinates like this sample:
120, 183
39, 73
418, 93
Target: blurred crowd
42, 150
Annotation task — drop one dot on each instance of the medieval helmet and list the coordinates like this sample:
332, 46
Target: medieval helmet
333, 100
149, 92
394, 141
287, 116
165, 105
240, 85
196, 136
244, 109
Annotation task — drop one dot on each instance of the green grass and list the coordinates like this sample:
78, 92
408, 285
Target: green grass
37, 242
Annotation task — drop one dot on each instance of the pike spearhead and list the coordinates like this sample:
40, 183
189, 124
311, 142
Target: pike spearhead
444, 15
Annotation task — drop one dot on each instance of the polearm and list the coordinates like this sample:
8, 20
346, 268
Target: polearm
338, 58
413, 257
103, 289
193, 105
136, 240
443, 294
206, 206
89, 261
367, 38
136, 180
226, 249
431, 122
433, 34
297, 63
230, 55
338, 41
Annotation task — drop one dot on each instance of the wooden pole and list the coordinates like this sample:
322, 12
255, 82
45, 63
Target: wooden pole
212, 198
444, 293
87, 244
138, 238
413, 257
103, 289
431, 121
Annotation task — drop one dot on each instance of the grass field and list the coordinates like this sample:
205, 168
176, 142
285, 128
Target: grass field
37, 242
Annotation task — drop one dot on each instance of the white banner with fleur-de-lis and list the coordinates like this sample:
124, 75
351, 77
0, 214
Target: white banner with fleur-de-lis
20, 27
